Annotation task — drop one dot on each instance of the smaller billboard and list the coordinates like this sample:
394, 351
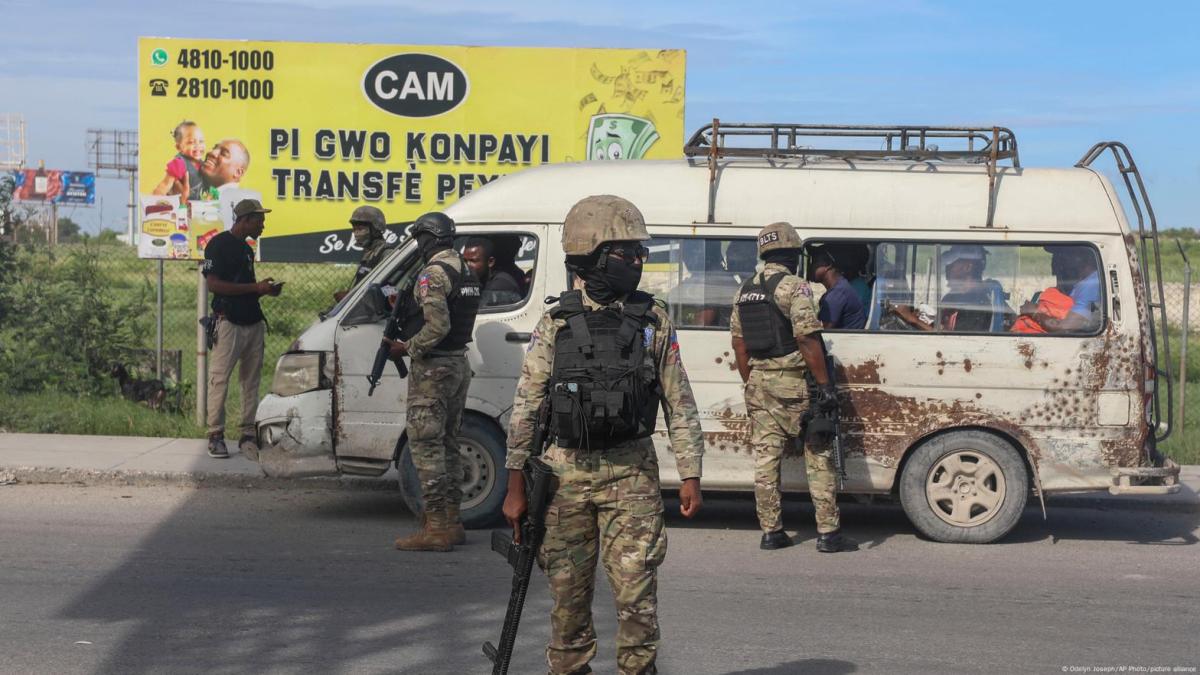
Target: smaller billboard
55, 186
172, 230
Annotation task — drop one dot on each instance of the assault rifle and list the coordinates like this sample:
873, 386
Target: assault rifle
391, 332
839, 459
817, 422
521, 555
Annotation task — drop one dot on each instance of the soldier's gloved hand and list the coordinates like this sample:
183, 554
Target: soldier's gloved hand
826, 400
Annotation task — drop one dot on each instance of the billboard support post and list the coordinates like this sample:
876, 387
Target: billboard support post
132, 207
201, 348
158, 371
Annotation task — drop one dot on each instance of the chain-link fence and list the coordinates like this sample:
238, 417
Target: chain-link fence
308, 290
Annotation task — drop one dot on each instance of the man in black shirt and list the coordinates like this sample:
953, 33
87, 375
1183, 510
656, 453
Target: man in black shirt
229, 270
499, 286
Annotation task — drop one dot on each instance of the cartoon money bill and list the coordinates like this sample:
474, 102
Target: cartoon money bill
619, 136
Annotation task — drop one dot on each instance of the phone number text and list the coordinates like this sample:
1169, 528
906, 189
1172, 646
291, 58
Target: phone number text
215, 59
212, 87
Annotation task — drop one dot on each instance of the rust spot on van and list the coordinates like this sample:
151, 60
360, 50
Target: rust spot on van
967, 365
1123, 451
1027, 350
866, 372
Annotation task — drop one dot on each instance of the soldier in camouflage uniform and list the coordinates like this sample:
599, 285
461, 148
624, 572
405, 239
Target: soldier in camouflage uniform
369, 230
781, 343
607, 504
438, 327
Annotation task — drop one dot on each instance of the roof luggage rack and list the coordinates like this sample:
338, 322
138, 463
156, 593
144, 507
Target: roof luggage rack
984, 145
898, 142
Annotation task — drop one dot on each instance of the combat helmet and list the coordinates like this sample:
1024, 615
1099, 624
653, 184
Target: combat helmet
777, 236
433, 223
600, 218
368, 215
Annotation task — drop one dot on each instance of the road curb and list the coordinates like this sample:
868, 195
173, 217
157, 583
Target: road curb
193, 479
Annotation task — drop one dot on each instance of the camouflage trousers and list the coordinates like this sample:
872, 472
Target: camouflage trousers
607, 506
437, 393
775, 403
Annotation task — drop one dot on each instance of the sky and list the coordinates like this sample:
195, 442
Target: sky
1062, 75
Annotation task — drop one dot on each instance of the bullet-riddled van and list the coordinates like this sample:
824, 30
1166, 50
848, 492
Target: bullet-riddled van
1014, 345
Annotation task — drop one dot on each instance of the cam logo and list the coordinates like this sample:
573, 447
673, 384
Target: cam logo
159, 57
415, 85
768, 238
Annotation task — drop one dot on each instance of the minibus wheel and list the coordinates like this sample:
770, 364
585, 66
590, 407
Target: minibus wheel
482, 448
966, 487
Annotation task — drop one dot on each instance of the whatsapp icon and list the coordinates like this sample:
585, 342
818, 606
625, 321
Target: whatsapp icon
158, 57
619, 136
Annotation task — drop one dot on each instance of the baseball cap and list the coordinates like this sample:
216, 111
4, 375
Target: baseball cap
963, 252
248, 206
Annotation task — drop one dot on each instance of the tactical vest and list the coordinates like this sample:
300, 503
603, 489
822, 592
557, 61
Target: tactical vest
463, 301
601, 392
766, 332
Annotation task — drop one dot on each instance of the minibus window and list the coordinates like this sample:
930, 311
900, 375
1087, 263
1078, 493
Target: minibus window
504, 263
697, 277
975, 288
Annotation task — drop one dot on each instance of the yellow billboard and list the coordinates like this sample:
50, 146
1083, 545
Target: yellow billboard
317, 129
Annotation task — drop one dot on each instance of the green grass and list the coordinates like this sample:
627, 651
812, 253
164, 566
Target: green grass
1184, 446
55, 413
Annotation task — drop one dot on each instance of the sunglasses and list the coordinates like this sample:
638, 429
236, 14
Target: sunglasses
628, 252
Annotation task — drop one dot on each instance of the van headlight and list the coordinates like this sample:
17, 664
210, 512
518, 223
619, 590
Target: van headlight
298, 372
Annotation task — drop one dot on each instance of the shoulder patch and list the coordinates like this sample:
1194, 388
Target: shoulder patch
647, 336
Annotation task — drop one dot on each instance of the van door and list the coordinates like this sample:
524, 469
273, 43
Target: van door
698, 278
366, 427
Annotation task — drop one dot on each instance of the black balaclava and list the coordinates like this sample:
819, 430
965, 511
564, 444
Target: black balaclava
428, 246
788, 257
607, 284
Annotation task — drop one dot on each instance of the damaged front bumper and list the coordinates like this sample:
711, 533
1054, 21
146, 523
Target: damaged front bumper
294, 435
1146, 480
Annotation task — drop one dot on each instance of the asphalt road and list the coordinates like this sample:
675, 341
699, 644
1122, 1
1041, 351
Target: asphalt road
175, 580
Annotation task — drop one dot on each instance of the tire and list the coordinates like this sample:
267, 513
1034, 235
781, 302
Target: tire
964, 487
482, 445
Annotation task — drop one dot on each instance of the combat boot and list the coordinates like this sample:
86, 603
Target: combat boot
834, 542
433, 536
775, 540
458, 533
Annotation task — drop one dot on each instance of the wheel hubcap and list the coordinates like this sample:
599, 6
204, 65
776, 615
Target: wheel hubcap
478, 473
965, 488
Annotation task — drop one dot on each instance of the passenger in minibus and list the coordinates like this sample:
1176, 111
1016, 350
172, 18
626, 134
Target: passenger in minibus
972, 304
499, 286
1077, 275
840, 306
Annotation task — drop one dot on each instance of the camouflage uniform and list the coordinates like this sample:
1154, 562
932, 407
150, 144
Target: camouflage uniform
607, 505
437, 391
373, 253
776, 399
